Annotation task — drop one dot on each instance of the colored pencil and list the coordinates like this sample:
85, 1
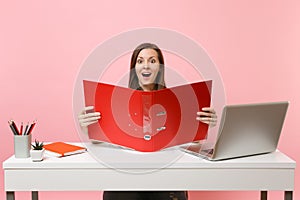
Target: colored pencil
12, 128
31, 127
15, 127
21, 129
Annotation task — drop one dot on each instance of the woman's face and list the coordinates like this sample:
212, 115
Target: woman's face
146, 68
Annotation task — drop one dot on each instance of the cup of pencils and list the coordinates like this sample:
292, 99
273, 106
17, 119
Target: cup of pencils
22, 138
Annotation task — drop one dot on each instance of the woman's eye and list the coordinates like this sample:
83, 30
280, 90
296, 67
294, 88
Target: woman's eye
139, 61
153, 61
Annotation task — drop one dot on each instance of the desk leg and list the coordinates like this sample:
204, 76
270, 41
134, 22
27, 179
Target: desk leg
34, 195
263, 195
10, 195
288, 195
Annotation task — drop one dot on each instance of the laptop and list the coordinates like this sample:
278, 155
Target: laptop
245, 130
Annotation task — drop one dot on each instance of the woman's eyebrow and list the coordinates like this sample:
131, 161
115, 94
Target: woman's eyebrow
147, 58
151, 57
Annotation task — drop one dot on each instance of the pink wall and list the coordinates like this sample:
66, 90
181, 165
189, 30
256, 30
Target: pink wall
255, 45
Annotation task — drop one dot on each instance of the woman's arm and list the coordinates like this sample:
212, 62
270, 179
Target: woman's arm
208, 116
87, 118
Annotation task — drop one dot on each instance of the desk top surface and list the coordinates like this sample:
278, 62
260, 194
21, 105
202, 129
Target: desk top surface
109, 157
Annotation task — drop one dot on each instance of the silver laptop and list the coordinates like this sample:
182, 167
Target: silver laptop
245, 130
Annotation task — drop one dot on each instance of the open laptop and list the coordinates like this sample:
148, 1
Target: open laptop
245, 130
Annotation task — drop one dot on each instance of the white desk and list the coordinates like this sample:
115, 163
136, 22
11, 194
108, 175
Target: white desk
135, 171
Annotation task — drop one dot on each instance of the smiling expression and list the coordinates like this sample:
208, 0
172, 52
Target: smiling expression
147, 67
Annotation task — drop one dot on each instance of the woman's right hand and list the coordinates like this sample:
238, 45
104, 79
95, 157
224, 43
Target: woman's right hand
85, 119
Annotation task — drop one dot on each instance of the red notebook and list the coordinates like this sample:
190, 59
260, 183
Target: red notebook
147, 120
63, 149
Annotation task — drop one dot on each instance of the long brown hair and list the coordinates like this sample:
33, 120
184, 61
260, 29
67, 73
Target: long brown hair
160, 78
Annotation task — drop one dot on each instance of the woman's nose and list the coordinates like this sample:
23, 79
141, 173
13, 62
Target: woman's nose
146, 65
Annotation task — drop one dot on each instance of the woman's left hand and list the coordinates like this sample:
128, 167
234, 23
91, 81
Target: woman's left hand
207, 116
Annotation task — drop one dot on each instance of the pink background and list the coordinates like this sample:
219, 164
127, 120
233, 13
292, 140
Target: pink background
254, 44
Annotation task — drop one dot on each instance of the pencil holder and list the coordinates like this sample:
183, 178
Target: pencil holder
22, 145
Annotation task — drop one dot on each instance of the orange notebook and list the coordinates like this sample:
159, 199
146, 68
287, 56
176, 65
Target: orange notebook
63, 149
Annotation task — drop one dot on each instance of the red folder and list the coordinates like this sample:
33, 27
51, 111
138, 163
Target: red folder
148, 120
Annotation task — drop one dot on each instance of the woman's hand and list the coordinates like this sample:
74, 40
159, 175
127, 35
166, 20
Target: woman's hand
207, 116
85, 119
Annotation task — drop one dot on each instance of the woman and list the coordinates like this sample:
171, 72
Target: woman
147, 74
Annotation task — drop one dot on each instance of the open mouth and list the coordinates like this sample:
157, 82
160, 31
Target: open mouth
146, 74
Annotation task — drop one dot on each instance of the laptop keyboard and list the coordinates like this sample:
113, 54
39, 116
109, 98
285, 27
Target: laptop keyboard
208, 151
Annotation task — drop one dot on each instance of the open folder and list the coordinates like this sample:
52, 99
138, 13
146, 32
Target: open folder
147, 120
